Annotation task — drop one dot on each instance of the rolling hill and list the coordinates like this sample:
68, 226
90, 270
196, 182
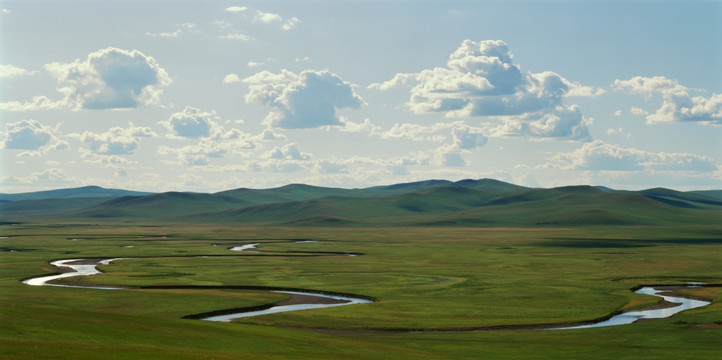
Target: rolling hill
85, 191
484, 202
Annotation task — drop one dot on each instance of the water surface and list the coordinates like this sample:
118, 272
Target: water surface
679, 304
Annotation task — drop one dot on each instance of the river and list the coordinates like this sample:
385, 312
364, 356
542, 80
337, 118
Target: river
87, 267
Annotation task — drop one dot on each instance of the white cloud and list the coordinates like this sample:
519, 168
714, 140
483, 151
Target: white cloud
266, 17
289, 152
600, 156
678, 105
110, 78
620, 131
8, 71
330, 166
618, 113
32, 136
231, 78
417, 132
310, 99
467, 138
236, 36
452, 159
53, 177
236, 9
190, 123
7, 11
365, 126
564, 123
117, 140
197, 155
290, 23
270, 135
222, 25
480, 79
276, 166
173, 34
215, 141
637, 111
180, 30
39, 102
252, 64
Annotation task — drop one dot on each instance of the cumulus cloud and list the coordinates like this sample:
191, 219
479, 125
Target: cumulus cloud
39, 102
310, 99
190, 123
417, 132
365, 126
32, 136
236, 9
276, 166
110, 78
481, 79
637, 111
214, 140
53, 177
467, 138
289, 152
231, 78
564, 122
330, 166
677, 104
117, 140
8, 71
270, 135
197, 155
601, 156
290, 23
452, 159
266, 17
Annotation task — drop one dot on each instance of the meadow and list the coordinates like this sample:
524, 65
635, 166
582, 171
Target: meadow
440, 292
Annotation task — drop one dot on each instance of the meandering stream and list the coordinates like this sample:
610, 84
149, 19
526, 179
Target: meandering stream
312, 300
677, 305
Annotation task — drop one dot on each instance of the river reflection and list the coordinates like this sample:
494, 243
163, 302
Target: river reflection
244, 247
81, 269
344, 300
679, 304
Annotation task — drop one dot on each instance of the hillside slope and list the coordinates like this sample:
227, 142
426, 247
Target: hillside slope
85, 191
484, 202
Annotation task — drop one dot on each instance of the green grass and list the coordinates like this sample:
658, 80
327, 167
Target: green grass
479, 203
424, 278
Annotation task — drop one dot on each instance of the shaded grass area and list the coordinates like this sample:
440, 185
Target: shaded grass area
422, 278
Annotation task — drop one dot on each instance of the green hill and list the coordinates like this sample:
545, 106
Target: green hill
85, 191
484, 202
567, 206
159, 205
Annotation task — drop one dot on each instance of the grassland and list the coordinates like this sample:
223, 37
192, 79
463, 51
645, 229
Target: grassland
432, 285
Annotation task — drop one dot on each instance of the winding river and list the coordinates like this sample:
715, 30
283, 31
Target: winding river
305, 300
674, 305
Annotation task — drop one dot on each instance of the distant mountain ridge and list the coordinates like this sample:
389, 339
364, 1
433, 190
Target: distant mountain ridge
483, 202
85, 191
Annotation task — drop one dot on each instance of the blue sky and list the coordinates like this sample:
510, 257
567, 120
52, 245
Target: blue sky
213, 95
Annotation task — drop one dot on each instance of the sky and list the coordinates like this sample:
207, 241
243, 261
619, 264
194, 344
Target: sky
208, 96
